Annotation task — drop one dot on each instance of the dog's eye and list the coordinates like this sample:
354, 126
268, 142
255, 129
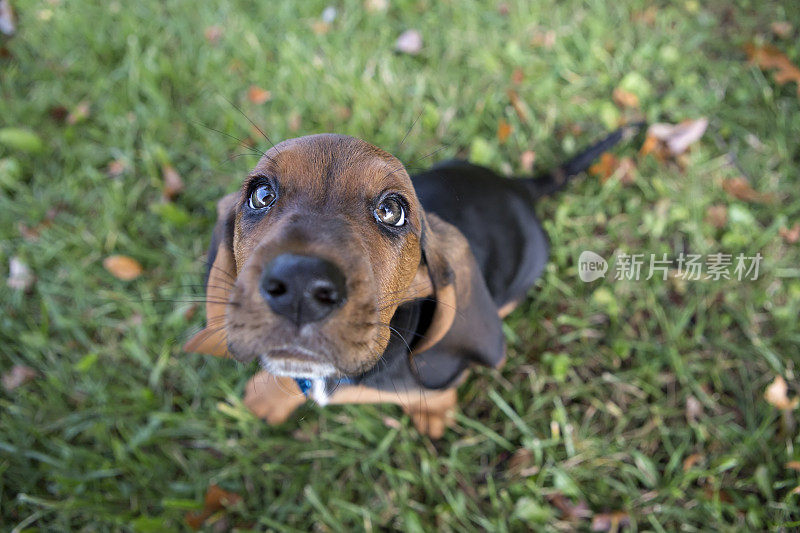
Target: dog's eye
262, 197
390, 212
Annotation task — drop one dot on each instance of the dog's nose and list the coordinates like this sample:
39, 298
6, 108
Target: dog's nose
303, 288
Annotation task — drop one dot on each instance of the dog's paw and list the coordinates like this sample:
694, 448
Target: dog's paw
272, 398
432, 423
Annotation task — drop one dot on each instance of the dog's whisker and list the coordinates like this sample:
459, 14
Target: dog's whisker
409, 129
427, 156
242, 142
254, 125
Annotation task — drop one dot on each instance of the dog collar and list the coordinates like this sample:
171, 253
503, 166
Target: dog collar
320, 389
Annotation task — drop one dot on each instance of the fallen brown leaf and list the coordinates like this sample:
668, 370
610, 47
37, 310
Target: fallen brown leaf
526, 160
740, 188
610, 521
79, 113
651, 146
647, 16
717, 215
693, 409
213, 34
257, 95
692, 460
409, 42
624, 98
18, 376
216, 499
776, 395
173, 184
20, 276
376, 6
116, 168
295, 121
58, 113
793, 465
626, 169
320, 27
545, 39
724, 496
678, 137
570, 512
6, 19
781, 28
503, 131
522, 464
517, 76
343, 112
605, 166
122, 267
790, 236
769, 57
520, 107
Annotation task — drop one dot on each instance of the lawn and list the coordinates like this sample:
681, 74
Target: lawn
632, 404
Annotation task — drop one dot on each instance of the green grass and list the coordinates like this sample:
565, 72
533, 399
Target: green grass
121, 430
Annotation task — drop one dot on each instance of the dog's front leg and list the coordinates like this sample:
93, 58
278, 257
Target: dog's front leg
272, 398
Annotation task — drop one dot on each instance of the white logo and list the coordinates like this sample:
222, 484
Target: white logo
591, 266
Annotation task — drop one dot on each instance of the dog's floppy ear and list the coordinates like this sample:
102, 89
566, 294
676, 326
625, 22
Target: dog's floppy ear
464, 326
220, 277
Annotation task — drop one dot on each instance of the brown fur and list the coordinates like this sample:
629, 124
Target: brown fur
328, 185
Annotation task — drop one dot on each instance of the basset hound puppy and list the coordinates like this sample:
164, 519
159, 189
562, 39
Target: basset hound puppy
352, 282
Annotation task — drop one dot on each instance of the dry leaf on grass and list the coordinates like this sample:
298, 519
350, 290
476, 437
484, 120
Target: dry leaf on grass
694, 410
18, 376
647, 16
717, 215
503, 131
173, 184
776, 395
769, 57
79, 113
526, 160
213, 34
116, 168
409, 42
677, 138
610, 521
522, 464
740, 188
793, 465
257, 95
781, 28
545, 39
624, 98
572, 512
610, 165
20, 276
520, 107
692, 460
6, 18
320, 27
790, 236
376, 6
605, 166
122, 267
295, 121
216, 499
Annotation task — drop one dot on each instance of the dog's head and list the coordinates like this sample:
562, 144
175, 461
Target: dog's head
312, 257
